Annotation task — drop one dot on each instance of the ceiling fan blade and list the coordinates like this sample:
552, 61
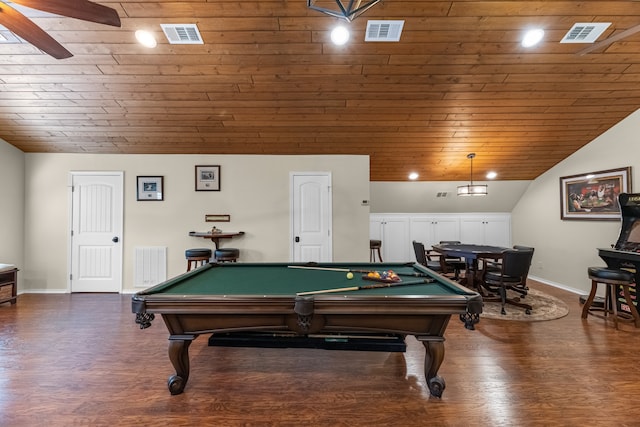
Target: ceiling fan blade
79, 9
23, 27
610, 40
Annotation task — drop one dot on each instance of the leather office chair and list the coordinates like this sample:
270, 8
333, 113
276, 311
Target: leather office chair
496, 265
524, 289
512, 275
426, 260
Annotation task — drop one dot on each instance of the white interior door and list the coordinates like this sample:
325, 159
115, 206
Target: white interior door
96, 232
311, 213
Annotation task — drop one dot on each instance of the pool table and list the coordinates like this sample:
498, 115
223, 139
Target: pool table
240, 297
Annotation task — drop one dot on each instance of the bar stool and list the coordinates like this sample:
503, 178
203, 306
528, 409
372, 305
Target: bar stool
613, 279
374, 246
227, 255
195, 255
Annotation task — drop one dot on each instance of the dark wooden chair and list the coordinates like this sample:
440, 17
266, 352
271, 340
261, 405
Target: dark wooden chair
496, 265
453, 264
613, 279
197, 256
374, 248
524, 289
512, 275
425, 258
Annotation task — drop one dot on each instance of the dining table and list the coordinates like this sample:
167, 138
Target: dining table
472, 254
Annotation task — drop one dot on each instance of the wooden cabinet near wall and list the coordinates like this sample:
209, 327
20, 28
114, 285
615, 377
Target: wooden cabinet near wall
393, 231
8, 283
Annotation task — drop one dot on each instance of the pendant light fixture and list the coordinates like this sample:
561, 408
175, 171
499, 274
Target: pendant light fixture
472, 189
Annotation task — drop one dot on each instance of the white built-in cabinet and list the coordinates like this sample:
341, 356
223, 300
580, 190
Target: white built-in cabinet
397, 231
494, 230
431, 230
393, 231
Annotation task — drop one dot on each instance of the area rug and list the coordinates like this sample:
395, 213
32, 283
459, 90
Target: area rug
545, 307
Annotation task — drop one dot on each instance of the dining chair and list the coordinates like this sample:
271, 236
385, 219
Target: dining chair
453, 264
512, 275
425, 258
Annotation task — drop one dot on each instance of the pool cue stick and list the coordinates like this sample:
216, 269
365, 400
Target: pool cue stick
347, 270
359, 288
304, 267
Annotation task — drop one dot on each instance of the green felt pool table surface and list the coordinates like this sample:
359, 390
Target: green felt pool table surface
288, 279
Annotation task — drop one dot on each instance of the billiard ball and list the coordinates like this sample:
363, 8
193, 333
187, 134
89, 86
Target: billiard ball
349, 275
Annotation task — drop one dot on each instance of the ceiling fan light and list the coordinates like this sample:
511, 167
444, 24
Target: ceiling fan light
340, 35
146, 38
347, 10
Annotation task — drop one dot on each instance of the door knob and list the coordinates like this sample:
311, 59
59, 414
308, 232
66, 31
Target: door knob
297, 239
115, 239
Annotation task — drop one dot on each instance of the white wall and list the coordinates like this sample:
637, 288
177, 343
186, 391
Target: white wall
254, 191
12, 172
419, 197
565, 249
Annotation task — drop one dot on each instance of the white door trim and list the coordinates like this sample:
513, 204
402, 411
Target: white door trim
119, 252
328, 239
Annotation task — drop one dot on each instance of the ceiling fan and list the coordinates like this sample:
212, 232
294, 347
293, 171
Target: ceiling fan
23, 27
614, 38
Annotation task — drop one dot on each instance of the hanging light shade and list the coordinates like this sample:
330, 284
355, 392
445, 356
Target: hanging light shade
472, 189
349, 11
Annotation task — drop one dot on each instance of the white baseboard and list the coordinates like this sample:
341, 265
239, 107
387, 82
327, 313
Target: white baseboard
558, 285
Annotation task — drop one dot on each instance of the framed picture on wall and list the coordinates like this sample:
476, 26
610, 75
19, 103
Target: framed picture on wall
207, 178
150, 188
594, 195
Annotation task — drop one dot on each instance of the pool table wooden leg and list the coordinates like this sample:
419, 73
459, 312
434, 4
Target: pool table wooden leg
179, 356
434, 356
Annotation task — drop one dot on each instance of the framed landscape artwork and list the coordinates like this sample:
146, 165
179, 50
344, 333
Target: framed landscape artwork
150, 188
594, 195
207, 178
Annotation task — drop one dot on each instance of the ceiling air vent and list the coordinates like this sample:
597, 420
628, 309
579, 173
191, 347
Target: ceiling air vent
441, 194
383, 31
585, 32
182, 33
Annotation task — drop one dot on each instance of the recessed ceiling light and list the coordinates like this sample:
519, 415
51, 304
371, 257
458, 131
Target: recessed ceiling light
532, 37
146, 38
339, 35
491, 175
413, 176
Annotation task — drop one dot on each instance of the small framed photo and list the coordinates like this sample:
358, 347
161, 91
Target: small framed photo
207, 178
150, 188
594, 195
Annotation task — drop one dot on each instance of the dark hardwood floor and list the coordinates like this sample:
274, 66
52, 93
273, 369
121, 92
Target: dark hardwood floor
80, 359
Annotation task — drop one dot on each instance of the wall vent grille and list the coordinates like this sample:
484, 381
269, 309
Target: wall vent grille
150, 266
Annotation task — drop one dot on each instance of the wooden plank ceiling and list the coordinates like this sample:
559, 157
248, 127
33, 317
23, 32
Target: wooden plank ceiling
268, 80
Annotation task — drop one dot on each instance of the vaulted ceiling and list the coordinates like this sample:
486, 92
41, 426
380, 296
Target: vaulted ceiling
268, 80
